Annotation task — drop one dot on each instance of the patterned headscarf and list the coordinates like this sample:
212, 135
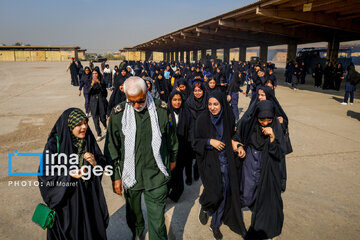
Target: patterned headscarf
76, 117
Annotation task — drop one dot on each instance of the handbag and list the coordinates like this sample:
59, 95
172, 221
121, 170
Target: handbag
44, 216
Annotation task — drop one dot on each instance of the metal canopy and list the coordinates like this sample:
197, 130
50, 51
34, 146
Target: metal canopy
269, 23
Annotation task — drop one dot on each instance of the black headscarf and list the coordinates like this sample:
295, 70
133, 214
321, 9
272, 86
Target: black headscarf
211, 90
197, 105
235, 82
270, 95
81, 210
183, 113
265, 109
185, 94
217, 120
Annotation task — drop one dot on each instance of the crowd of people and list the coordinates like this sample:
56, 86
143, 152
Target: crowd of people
164, 118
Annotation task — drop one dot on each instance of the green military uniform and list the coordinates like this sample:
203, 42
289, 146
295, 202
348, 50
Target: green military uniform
149, 179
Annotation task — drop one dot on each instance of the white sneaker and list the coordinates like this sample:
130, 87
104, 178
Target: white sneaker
351, 103
343, 103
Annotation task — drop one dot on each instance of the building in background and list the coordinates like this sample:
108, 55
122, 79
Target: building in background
40, 53
133, 55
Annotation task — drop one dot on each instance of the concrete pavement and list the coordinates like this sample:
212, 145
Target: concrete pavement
321, 201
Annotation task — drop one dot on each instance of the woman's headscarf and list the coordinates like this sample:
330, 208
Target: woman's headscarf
184, 115
211, 90
185, 94
76, 116
197, 105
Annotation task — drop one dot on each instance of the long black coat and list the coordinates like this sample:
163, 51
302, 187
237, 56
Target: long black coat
97, 96
74, 74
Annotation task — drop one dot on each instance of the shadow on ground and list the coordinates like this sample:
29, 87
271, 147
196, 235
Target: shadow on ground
182, 210
338, 99
353, 114
176, 216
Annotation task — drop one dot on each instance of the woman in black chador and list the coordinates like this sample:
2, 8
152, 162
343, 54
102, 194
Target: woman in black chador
218, 167
317, 74
73, 72
181, 120
328, 76
80, 206
196, 103
258, 142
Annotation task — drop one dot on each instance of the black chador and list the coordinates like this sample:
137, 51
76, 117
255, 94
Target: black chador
219, 169
260, 175
181, 120
74, 74
81, 210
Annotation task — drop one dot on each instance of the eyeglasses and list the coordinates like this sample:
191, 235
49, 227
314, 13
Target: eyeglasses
138, 102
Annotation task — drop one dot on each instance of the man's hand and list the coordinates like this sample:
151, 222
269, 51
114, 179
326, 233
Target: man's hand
172, 165
90, 158
217, 144
117, 187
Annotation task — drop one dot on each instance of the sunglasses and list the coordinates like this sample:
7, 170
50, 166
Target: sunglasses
138, 101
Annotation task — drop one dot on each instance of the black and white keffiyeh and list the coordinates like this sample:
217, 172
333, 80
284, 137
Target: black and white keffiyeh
129, 131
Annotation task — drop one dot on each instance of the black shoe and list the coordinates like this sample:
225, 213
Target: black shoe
203, 217
188, 181
216, 233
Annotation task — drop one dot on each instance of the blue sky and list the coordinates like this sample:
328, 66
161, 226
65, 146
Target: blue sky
102, 26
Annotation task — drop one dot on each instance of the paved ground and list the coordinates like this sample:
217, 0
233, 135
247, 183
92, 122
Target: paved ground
323, 192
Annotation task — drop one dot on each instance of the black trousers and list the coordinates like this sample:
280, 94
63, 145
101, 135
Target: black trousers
98, 112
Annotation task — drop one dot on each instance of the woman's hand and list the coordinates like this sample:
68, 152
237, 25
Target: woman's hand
268, 131
218, 145
281, 120
228, 98
76, 174
79, 93
241, 152
234, 145
90, 158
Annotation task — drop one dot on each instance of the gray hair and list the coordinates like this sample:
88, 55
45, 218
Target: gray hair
134, 85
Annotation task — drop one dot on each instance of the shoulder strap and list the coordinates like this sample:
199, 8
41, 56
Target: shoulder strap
57, 144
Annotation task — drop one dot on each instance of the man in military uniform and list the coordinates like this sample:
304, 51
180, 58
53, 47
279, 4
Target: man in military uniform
142, 147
